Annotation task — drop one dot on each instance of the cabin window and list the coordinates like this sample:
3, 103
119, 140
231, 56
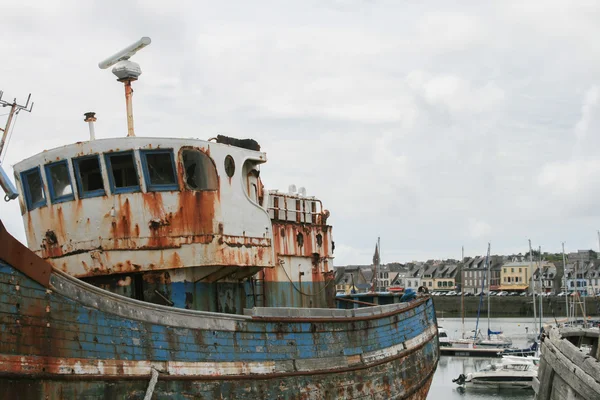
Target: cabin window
199, 171
88, 176
34, 188
59, 182
122, 172
159, 170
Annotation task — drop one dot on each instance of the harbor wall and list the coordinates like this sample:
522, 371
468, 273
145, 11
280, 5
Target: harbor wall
509, 306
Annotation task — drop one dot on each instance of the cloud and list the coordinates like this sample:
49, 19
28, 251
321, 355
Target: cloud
572, 183
428, 124
454, 94
478, 229
590, 114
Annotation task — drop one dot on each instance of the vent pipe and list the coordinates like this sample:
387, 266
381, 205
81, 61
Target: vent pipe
90, 118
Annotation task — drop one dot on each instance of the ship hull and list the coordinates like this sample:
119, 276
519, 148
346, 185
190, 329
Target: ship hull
349, 385
63, 338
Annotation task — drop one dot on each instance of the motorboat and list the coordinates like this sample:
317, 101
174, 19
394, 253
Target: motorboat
511, 373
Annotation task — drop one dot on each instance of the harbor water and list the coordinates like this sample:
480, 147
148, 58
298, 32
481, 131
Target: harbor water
450, 368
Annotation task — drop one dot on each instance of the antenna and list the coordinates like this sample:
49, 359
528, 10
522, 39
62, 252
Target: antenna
127, 71
15, 109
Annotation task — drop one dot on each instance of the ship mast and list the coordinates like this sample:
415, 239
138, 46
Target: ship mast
15, 108
462, 292
541, 290
489, 273
565, 280
127, 71
532, 286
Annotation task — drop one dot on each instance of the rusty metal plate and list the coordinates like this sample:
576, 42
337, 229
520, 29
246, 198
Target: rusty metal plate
23, 259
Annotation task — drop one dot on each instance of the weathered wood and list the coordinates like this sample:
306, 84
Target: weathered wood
561, 390
567, 332
545, 378
586, 362
574, 376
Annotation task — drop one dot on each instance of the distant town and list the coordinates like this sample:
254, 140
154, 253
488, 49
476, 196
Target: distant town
507, 275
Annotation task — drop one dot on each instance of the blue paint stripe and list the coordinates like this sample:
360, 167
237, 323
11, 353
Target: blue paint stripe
77, 331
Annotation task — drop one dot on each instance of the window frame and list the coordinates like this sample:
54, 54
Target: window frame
109, 172
214, 169
91, 193
25, 182
59, 199
150, 187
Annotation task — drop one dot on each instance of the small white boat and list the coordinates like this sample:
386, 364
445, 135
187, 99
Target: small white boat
443, 338
511, 373
496, 340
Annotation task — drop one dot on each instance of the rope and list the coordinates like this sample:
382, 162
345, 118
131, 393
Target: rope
281, 262
9, 137
549, 301
150, 390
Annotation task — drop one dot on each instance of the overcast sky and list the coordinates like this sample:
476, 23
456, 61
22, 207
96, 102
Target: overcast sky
433, 126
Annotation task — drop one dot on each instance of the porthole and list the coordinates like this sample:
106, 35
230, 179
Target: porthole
229, 166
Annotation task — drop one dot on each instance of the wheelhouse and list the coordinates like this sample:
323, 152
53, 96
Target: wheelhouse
136, 204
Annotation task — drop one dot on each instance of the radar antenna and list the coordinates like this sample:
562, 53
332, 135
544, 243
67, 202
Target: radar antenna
127, 71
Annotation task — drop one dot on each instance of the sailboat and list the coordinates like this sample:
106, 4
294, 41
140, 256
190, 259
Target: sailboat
493, 339
535, 333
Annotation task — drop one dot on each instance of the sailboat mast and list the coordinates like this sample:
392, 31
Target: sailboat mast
489, 272
462, 300
378, 259
462, 291
565, 281
532, 285
540, 280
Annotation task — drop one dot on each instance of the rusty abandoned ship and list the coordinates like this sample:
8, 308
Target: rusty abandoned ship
161, 268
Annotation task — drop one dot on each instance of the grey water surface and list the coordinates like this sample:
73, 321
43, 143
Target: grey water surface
451, 367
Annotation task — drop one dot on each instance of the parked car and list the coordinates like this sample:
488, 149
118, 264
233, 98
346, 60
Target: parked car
492, 293
502, 293
513, 294
523, 294
562, 294
467, 294
451, 293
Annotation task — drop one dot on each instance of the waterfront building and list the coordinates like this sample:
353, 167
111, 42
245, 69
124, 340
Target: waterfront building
514, 276
400, 279
349, 278
474, 269
427, 277
444, 278
413, 281
582, 256
495, 275
543, 277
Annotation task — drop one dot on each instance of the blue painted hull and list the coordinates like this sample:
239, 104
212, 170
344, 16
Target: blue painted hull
72, 340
